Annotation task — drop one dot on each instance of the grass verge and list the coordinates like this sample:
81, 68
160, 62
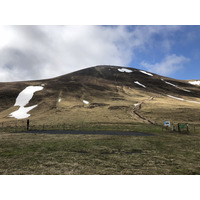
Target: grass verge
99, 154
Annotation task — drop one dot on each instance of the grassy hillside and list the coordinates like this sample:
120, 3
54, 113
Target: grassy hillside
111, 95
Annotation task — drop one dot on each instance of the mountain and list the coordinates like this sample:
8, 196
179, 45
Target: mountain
101, 94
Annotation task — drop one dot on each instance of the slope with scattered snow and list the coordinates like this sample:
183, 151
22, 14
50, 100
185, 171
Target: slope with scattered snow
175, 86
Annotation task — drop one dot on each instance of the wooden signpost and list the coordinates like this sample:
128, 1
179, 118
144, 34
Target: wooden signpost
183, 127
27, 124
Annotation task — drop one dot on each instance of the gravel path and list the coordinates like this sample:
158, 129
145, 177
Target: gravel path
91, 132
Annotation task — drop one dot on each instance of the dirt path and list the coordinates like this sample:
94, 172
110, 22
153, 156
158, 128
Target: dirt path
138, 107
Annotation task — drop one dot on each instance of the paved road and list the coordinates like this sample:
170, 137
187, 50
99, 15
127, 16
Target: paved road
91, 132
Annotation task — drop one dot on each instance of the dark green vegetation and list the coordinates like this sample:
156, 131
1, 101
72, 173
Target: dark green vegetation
99, 154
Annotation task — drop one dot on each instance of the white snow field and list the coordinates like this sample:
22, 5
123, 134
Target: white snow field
85, 102
146, 73
136, 82
21, 113
26, 95
22, 100
125, 70
194, 82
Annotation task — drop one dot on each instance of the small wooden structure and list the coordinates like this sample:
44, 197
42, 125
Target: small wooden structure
183, 127
180, 127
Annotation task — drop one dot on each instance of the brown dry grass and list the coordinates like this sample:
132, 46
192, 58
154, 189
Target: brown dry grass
99, 154
73, 111
165, 108
117, 110
111, 94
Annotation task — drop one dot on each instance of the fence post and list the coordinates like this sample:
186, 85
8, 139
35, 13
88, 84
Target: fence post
179, 130
27, 124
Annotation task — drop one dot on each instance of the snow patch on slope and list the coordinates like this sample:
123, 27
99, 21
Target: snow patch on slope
26, 95
194, 82
21, 113
193, 102
170, 83
125, 70
185, 90
175, 86
22, 100
175, 97
147, 73
183, 99
85, 102
136, 82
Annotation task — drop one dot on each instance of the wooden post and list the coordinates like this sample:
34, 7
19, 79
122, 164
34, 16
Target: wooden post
27, 124
179, 130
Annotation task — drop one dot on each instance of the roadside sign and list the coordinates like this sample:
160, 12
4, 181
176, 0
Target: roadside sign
182, 125
167, 123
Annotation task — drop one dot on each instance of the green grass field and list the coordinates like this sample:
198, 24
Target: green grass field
164, 153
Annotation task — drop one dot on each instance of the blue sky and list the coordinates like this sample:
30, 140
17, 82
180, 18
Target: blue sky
183, 42
38, 52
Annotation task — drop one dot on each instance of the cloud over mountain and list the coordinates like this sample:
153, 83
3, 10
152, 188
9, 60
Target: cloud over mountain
37, 52
168, 65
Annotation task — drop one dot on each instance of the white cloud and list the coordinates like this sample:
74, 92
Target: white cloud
37, 52
169, 65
